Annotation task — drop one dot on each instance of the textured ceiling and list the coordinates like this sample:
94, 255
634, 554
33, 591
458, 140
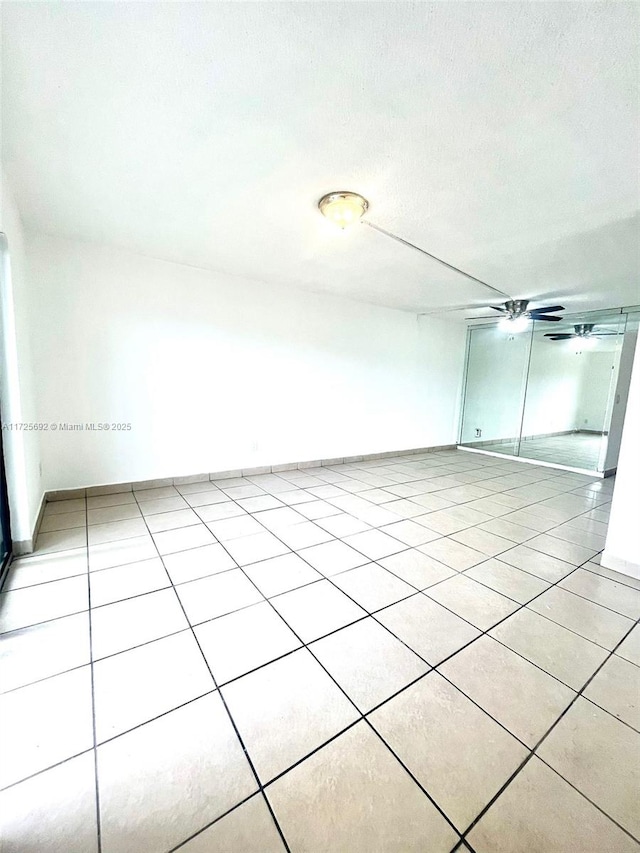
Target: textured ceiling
500, 136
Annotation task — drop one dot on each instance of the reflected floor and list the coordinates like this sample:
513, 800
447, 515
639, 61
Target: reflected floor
578, 450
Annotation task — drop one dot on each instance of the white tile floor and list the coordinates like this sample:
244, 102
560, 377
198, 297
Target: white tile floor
415, 654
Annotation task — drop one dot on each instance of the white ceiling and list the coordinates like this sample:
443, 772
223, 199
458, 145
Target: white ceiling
502, 137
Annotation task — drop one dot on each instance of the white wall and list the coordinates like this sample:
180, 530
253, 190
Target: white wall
215, 372
21, 448
440, 374
622, 548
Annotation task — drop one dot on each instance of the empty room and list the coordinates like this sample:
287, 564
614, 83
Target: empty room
320, 405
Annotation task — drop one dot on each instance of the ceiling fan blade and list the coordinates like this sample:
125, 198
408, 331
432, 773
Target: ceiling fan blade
559, 337
545, 317
603, 334
546, 310
495, 308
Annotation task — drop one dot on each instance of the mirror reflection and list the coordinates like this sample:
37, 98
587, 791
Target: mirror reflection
554, 393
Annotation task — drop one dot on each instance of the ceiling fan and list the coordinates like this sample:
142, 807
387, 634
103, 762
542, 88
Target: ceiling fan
516, 314
516, 308
582, 330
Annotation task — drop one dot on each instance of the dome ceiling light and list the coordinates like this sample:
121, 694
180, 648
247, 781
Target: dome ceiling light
343, 208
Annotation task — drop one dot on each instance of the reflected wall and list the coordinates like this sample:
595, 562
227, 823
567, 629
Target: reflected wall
550, 399
495, 385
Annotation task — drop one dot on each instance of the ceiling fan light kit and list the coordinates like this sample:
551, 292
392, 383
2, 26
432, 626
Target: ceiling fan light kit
514, 324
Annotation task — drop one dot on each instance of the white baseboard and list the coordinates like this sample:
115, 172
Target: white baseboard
618, 564
109, 488
25, 546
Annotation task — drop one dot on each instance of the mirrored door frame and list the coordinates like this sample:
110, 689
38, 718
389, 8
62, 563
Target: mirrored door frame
5, 521
6, 545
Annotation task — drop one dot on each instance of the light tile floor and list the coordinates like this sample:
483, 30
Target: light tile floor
413, 654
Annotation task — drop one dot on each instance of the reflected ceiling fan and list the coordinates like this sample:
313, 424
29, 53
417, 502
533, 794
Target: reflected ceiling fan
581, 330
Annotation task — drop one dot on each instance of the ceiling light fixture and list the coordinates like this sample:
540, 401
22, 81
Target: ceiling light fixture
586, 342
343, 208
514, 324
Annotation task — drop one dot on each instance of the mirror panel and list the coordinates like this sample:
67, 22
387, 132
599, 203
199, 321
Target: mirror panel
494, 389
570, 390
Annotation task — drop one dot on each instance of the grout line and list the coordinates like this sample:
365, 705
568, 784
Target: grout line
361, 715
533, 750
371, 561
219, 818
15, 784
597, 574
372, 614
420, 677
590, 600
605, 710
514, 651
415, 590
93, 697
521, 606
486, 633
226, 707
435, 667
380, 527
159, 716
584, 796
